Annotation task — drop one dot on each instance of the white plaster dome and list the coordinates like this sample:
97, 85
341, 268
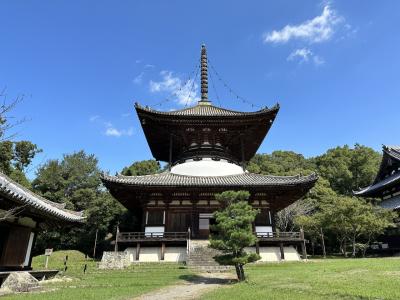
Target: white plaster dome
207, 167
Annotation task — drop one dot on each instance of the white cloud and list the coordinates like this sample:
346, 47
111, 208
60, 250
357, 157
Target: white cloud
185, 93
94, 118
112, 131
304, 55
138, 61
149, 66
319, 29
138, 79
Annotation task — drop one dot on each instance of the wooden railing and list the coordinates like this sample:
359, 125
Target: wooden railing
278, 235
152, 236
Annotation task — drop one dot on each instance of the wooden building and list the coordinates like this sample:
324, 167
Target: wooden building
22, 215
386, 188
207, 148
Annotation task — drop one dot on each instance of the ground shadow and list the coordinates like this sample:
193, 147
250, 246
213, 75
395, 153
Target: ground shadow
199, 279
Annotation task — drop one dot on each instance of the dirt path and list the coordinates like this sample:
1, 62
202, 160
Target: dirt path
192, 287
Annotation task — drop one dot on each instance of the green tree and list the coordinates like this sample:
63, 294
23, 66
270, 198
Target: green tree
144, 167
347, 169
75, 181
352, 220
234, 230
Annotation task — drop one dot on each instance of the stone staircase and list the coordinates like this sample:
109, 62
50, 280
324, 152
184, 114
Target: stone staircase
200, 257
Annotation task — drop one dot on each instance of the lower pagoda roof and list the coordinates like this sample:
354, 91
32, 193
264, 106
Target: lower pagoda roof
279, 191
245, 179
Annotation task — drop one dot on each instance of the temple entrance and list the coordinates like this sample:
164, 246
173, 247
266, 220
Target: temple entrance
178, 222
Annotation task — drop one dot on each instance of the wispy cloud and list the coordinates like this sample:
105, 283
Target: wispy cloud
304, 55
94, 118
109, 129
149, 66
138, 79
319, 29
114, 132
184, 93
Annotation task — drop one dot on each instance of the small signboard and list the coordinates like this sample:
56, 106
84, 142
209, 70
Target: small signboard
48, 252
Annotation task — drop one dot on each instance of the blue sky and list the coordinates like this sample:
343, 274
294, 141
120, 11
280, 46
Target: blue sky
332, 66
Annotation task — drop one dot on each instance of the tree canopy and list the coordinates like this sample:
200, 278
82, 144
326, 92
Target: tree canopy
234, 230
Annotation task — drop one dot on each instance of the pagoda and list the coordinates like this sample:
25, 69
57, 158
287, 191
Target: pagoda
207, 149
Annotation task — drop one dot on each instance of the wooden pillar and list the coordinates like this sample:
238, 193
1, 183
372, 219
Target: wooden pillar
303, 244
162, 250
282, 252
137, 251
257, 248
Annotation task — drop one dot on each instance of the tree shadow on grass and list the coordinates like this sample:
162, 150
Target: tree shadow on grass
199, 279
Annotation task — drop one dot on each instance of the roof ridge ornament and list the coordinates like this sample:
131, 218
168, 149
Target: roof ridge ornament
204, 77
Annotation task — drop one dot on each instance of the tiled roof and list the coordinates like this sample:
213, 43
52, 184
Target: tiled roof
15, 192
393, 151
385, 182
392, 203
245, 179
385, 176
207, 110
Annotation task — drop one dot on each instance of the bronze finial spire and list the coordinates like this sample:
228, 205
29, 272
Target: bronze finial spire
204, 75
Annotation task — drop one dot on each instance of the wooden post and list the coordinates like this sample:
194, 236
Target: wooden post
116, 239
257, 248
137, 251
95, 244
323, 243
303, 244
162, 250
282, 252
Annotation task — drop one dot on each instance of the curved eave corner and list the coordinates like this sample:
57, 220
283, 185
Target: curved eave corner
36, 203
229, 113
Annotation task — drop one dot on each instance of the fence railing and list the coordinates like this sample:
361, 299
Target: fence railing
180, 236
275, 235
134, 236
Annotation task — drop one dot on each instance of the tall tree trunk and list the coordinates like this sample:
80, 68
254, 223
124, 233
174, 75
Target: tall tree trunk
345, 247
353, 241
323, 243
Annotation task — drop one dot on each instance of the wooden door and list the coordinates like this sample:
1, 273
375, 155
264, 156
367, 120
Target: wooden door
178, 222
15, 247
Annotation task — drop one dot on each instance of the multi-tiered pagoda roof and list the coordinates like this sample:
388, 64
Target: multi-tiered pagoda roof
207, 149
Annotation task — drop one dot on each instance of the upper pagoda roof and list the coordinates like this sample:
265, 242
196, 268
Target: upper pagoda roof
207, 110
35, 204
388, 175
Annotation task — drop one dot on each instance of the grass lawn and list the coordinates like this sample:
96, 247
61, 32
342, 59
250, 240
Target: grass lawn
101, 284
371, 278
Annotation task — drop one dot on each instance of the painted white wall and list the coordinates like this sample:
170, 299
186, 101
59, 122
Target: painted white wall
150, 254
131, 253
207, 167
273, 254
175, 254
29, 249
